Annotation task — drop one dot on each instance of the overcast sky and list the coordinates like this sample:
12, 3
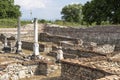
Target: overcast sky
44, 9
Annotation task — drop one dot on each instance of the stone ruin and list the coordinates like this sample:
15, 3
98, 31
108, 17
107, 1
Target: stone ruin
22, 65
26, 69
97, 68
90, 54
8, 44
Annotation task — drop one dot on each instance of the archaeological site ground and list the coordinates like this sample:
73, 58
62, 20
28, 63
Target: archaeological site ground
89, 53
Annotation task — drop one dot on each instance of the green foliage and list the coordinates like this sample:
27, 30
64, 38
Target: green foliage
69, 24
8, 23
8, 9
43, 21
72, 13
12, 23
99, 11
24, 22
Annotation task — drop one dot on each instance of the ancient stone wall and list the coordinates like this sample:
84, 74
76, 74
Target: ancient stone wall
65, 42
54, 38
82, 53
1, 46
54, 54
29, 46
26, 69
96, 68
42, 47
74, 71
38, 67
73, 53
100, 35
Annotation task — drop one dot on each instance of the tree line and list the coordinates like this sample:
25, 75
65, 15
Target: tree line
94, 11
8, 9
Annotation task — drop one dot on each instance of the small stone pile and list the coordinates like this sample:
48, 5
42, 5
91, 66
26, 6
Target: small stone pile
15, 72
106, 48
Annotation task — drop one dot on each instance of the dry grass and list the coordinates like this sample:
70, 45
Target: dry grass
4, 57
27, 52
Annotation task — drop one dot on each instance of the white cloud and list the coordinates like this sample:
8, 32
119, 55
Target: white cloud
48, 9
30, 4
75, 3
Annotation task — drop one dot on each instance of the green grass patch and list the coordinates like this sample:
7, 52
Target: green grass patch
8, 23
11, 23
69, 24
24, 22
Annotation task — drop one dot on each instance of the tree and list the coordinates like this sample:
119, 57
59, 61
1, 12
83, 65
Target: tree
114, 11
94, 11
8, 9
102, 10
72, 13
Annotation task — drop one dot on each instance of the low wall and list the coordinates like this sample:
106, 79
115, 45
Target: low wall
83, 53
42, 47
1, 46
72, 70
26, 69
100, 35
76, 53
54, 54
55, 38
29, 46
38, 67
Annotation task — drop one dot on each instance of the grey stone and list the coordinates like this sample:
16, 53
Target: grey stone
106, 48
54, 67
22, 74
4, 77
14, 77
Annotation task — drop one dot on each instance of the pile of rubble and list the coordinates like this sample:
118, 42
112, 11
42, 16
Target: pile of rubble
106, 48
19, 69
15, 72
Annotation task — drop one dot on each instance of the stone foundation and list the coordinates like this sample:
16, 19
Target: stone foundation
106, 48
83, 53
76, 53
42, 47
46, 37
27, 69
54, 54
38, 67
88, 69
100, 35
